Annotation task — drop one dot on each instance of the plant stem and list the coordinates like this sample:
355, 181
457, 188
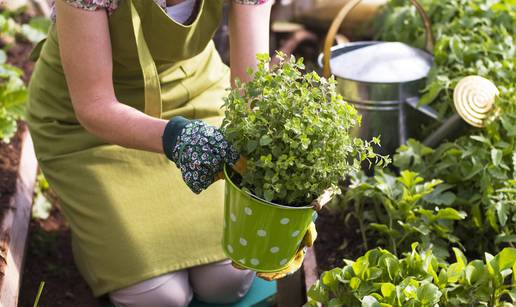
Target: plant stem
359, 206
393, 243
40, 290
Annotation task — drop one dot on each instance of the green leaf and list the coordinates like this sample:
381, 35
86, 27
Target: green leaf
506, 258
428, 294
496, 156
433, 91
388, 289
319, 293
265, 140
369, 301
450, 214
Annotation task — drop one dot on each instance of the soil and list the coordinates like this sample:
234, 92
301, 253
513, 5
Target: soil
9, 161
336, 240
49, 259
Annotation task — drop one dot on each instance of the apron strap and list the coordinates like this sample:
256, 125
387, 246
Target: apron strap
150, 73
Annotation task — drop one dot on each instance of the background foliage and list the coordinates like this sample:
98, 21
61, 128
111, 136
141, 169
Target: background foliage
457, 198
13, 93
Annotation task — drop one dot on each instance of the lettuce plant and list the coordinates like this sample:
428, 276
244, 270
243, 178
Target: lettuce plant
294, 129
380, 279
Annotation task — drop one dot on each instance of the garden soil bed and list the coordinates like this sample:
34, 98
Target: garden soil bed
9, 161
49, 259
336, 241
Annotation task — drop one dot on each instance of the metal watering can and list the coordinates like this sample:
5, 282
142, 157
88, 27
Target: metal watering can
383, 81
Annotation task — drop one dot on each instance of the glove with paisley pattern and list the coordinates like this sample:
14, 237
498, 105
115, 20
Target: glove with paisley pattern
198, 150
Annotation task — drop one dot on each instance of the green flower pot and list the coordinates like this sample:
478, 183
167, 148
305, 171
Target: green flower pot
260, 235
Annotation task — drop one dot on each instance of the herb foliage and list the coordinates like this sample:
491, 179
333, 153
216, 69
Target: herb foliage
294, 130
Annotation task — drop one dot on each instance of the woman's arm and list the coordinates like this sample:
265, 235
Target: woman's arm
85, 49
249, 35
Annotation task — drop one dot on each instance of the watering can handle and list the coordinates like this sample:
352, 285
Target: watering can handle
337, 22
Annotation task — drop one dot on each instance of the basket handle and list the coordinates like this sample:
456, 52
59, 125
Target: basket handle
348, 7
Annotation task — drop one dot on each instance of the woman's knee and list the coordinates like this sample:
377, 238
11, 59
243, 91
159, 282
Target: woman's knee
169, 290
220, 282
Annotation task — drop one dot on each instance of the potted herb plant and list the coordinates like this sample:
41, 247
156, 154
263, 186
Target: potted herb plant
294, 130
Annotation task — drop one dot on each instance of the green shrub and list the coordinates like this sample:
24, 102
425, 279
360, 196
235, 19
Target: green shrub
13, 92
380, 279
295, 131
399, 210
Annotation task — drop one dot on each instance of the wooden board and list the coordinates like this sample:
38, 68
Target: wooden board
15, 225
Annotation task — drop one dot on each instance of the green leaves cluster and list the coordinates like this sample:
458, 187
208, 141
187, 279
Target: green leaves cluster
295, 131
381, 279
477, 170
13, 92
404, 209
13, 95
481, 181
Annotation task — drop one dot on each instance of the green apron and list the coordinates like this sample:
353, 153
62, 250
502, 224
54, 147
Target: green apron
131, 215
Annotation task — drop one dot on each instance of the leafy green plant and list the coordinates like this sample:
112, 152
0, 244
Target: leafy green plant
13, 92
380, 278
404, 209
477, 170
481, 181
294, 130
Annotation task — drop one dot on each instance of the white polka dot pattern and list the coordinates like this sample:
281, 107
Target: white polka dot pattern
248, 211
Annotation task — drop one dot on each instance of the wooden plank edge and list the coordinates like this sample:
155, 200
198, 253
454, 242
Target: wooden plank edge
15, 224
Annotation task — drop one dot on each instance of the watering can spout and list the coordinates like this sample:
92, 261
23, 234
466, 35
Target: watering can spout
474, 98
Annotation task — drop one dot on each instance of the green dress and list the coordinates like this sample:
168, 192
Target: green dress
131, 215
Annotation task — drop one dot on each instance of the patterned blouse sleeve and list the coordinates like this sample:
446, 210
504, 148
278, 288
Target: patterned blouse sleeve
92, 5
250, 2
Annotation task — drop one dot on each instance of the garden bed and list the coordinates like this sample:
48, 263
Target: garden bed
49, 259
18, 175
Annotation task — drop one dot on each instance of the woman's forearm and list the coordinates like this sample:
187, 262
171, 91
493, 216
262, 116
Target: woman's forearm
249, 35
84, 35
120, 124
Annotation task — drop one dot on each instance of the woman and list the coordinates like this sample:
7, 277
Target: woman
106, 98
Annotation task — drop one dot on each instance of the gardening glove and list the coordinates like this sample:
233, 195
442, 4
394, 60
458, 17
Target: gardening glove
198, 150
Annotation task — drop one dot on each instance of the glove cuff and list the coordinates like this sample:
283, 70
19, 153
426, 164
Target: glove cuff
171, 134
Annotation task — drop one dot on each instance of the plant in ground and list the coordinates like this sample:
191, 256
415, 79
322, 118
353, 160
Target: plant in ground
380, 279
294, 130
480, 180
13, 92
404, 209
